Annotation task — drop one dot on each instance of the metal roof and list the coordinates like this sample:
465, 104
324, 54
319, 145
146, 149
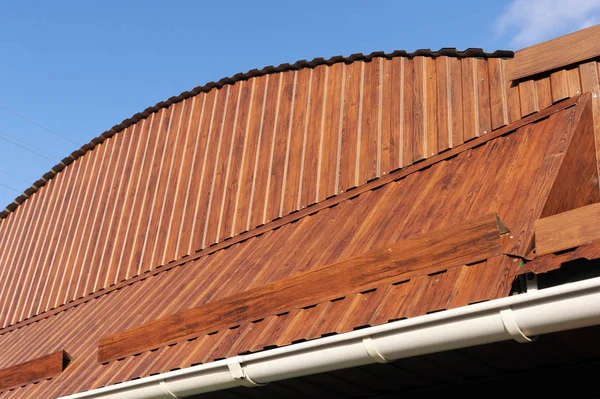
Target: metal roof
498, 175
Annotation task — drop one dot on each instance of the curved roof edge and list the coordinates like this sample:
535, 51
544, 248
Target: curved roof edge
449, 52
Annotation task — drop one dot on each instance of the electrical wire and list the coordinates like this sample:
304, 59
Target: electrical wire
12, 137
27, 147
6, 172
10, 188
39, 125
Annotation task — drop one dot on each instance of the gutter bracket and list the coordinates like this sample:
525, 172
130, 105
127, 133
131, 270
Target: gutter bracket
163, 387
531, 282
373, 352
511, 326
239, 374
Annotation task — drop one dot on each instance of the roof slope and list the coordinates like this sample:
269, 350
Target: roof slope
512, 175
208, 168
234, 167
301, 64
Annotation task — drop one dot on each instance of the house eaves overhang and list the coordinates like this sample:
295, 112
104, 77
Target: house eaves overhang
520, 318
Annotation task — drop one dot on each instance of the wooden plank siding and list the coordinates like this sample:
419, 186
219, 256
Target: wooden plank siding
418, 204
565, 50
33, 370
568, 229
223, 162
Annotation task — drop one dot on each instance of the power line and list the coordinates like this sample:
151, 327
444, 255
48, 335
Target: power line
39, 125
26, 144
10, 188
6, 172
3, 137
18, 142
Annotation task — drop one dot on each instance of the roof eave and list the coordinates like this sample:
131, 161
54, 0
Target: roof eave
521, 317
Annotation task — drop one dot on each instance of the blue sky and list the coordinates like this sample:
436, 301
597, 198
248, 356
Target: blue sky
80, 67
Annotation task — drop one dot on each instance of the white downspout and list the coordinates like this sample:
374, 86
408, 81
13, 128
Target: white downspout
521, 317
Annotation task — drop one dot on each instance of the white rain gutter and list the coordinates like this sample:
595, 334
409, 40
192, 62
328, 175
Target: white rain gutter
520, 317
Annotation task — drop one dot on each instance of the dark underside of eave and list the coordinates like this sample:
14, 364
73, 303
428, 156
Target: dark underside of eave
567, 362
302, 64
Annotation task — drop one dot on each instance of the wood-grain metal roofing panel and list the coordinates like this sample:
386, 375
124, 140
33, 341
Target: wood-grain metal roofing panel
321, 206
302, 64
479, 239
501, 175
210, 184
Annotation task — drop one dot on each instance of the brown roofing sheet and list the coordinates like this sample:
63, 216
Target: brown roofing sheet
478, 239
220, 163
503, 175
301, 64
389, 302
146, 194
